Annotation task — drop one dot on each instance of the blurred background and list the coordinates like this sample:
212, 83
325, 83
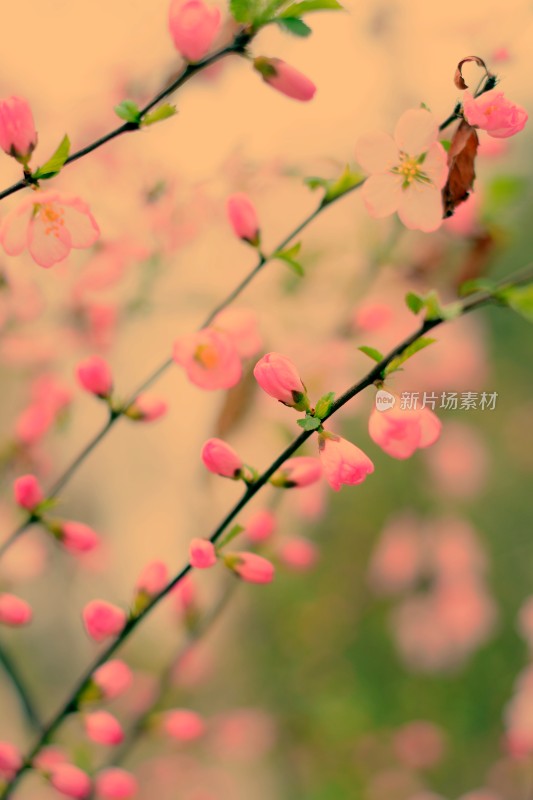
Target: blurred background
390, 659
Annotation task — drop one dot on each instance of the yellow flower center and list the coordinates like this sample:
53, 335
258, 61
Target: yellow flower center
410, 170
206, 355
51, 217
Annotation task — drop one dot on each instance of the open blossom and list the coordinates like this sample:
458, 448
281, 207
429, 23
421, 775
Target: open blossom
102, 727
298, 472
278, 377
250, 567
202, 554
343, 462
113, 678
10, 760
407, 173
209, 358
243, 217
193, 26
285, 79
492, 112
95, 376
28, 492
184, 725
18, 136
221, 459
49, 224
116, 784
70, 781
102, 619
400, 432
14, 611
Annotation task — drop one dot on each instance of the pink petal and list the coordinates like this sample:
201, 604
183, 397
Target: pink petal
382, 194
47, 248
436, 165
82, 226
376, 152
421, 207
14, 232
415, 131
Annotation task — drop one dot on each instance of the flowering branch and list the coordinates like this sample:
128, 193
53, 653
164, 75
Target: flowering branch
376, 375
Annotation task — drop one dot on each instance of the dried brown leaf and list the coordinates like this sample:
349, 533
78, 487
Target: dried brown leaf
461, 160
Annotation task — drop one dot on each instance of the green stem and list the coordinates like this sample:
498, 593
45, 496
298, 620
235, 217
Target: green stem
26, 702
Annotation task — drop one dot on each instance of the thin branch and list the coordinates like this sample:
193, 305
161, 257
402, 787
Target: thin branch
478, 300
25, 700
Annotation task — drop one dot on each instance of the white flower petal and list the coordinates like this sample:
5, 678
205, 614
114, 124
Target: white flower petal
376, 152
436, 165
14, 232
47, 247
382, 194
415, 131
421, 207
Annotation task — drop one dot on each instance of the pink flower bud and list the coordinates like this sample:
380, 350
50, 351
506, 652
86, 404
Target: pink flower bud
297, 473
243, 217
298, 554
147, 408
70, 781
260, 526
28, 492
76, 537
279, 378
102, 727
250, 567
184, 725
49, 758
10, 760
493, 113
153, 578
113, 678
14, 611
343, 462
17, 128
94, 375
400, 432
209, 358
102, 619
194, 26
202, 554
284, 78
221, 459
116, 784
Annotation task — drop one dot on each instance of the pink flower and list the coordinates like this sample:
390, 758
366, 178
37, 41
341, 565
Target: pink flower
113, 678
147, 408
209, 358
343, 462
102, 619
399, 432
76, 537
102, 727
285, 79
250, 567
240, 324
194, 26
278, 377
14, 611
95, 376
407, 173
18, 136
261, 526
298, 553
221, 459
243, 217
49, 224
493, 113
297, 473
70, 781
184, 725
10, 760
202, 554
153, 578
116, 784
28, 492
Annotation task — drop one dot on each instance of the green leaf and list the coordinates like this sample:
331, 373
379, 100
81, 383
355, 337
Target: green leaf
306, 6
347, 181
309, 423
316, 183
477, 285
520, 299
289, 257
162, 112
371, 352
128, 111
432, 305
409, 351
324, 405
414, 302
244, 10
54, 164
446, 143
294, 25
230, 535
